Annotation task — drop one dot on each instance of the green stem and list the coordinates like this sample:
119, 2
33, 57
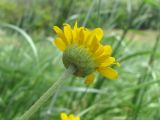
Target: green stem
47, 94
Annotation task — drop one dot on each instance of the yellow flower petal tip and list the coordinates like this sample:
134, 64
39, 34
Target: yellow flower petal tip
109, 73
83, 50
89, 79
64, 116
55, 28
118, 64
76, 24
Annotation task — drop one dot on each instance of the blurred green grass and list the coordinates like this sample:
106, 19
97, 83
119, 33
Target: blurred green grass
24, 77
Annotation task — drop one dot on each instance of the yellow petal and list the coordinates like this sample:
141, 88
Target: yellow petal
108, 72
108, 49
77, 118
99, 33
75, 25
64, 116
101, 58
107, 62
86, 34
89, 38
68, 33
103, 51
58, 30
60, 44
74, 34
81, 36
94, 44
60, 33
71, 117
89, 79
99, 51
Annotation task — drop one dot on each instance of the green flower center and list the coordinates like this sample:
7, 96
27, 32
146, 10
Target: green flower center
80, 58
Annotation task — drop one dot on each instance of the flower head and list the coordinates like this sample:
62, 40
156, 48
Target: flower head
64, 116
82, 49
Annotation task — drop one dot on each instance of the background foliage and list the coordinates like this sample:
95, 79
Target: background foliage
29, 63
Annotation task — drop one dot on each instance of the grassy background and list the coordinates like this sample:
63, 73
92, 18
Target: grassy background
30, 64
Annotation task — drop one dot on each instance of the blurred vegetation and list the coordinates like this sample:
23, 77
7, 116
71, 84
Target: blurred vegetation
38, 15
29, 63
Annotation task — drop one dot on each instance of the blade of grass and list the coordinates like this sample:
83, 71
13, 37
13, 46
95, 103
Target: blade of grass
24, 34
139, 93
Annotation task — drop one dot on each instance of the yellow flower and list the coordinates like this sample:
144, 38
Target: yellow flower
82, 49
64, 116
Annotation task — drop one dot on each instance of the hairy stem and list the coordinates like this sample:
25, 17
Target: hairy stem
34, 108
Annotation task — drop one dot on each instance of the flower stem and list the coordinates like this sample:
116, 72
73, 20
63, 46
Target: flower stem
47, 94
